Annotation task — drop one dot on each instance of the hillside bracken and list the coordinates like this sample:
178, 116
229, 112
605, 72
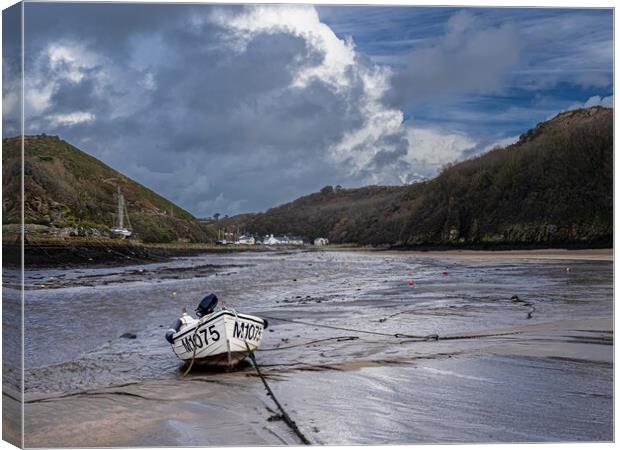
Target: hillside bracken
67, 189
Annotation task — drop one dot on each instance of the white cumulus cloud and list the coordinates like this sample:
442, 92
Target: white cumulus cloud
429, 149
595, 100
71, 118
299, 21
338, 67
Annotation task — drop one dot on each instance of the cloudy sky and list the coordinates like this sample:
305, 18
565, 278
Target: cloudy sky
229, 109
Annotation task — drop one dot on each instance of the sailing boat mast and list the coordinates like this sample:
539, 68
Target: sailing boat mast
121, 207
122, 214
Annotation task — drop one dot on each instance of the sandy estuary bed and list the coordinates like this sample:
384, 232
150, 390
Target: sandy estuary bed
493, 374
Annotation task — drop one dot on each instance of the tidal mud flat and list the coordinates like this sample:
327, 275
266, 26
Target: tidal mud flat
491, 374
91, 252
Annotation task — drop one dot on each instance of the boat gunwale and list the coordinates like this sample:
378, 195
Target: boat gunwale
217, 316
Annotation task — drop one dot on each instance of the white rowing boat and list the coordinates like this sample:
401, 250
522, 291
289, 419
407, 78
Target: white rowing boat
217, 338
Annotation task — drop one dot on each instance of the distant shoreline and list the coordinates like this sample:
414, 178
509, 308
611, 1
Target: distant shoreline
106, 252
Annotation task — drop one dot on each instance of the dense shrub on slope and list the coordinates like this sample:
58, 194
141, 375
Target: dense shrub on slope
553, 187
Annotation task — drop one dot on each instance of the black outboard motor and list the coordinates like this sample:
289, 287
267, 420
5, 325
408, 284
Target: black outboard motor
206, 305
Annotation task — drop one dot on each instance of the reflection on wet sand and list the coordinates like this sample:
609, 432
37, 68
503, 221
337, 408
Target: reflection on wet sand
339, 352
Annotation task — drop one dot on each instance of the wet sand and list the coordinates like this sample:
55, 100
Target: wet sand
492, 376
604, 254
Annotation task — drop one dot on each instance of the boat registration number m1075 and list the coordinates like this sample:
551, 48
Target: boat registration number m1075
201, 339
248, 331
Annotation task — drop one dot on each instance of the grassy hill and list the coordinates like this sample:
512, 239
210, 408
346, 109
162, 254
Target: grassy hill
65, 188
367, 215
554, 187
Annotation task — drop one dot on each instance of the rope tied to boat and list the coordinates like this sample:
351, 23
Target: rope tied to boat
191, 363
283, 414
199, 323
408, 337
428, 337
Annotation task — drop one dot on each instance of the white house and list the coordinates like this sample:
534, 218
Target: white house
277, 240
246, 240
320, 241
269, 240
295, 240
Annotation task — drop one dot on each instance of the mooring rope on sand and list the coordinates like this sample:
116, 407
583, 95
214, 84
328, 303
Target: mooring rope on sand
354, 330
409, 337
316, 341
283, 414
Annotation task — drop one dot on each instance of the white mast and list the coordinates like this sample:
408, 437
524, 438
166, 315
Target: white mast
121, 207
122, 215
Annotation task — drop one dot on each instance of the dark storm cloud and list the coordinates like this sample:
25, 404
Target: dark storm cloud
240, 100
108, 26
11, 72
467, 58
170, 101
71, 96
231, 108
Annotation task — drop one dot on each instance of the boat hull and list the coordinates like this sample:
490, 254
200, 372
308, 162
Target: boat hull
124, 232
222, 339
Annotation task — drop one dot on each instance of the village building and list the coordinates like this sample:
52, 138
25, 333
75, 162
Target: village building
275, 240
245, 240
320, 241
